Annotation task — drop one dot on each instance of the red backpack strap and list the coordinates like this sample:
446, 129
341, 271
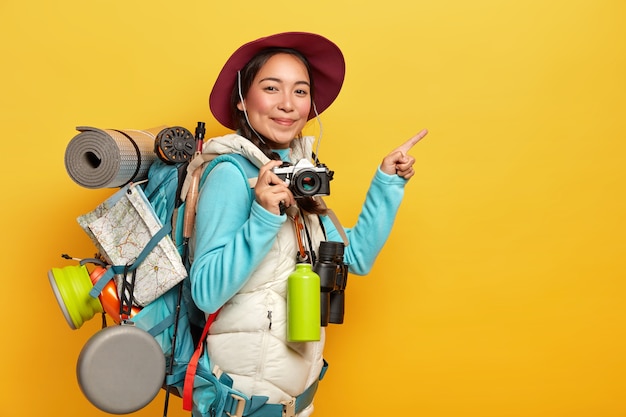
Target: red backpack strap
193, 365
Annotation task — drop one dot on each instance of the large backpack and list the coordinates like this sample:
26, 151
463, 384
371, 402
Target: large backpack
172, 318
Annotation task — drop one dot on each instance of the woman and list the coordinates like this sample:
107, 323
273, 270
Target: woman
245, 244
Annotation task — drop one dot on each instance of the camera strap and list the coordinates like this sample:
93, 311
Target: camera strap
333, 218
302, 232
300, 229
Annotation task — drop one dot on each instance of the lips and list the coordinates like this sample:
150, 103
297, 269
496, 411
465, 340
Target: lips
284, 122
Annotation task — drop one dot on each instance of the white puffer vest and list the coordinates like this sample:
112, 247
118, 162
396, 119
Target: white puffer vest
248, 338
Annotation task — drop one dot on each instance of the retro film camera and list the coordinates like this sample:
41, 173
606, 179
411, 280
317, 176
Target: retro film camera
333, 279
305, 179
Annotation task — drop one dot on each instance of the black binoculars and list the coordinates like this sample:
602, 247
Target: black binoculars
333, 279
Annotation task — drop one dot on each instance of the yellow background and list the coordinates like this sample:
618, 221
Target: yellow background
501, 289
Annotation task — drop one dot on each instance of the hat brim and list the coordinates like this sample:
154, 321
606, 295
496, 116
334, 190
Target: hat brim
325, 58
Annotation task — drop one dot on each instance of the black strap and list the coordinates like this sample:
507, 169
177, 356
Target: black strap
128, 289
137, 151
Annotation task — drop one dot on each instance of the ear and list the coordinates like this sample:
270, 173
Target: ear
240, 106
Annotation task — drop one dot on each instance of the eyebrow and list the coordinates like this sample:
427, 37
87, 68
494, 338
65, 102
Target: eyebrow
278, 80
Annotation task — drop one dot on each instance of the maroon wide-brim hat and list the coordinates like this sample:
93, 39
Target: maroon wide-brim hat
328, 69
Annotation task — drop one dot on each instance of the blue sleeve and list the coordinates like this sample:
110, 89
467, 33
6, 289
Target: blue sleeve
374, 223
233, 235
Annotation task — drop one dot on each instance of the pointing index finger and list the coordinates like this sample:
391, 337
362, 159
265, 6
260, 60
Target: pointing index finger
406, 146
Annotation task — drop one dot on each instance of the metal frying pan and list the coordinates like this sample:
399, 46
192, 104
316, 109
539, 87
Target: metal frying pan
121, 369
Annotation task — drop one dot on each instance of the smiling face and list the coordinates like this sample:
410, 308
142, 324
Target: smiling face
278, 102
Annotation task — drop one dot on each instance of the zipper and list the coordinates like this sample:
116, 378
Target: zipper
264, 344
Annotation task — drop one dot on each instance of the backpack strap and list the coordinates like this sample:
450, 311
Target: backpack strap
239, 405
251, 170
120, 269
193, 365
333, 218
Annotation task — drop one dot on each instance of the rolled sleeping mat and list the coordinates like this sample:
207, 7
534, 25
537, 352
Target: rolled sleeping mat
109, 158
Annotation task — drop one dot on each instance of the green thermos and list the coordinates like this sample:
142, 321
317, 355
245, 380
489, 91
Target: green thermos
303, 305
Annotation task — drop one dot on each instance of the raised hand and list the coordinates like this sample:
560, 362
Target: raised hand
399, 161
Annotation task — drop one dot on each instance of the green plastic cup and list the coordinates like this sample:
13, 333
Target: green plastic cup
71, 286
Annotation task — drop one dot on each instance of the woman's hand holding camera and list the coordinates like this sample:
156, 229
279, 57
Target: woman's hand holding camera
399, 161
270, 191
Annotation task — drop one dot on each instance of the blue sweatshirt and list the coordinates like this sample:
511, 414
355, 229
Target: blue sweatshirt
234, 233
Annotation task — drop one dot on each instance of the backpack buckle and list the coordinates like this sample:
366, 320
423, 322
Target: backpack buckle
241, 405
289, 408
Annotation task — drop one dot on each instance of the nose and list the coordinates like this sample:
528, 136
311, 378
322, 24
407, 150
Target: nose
285, 102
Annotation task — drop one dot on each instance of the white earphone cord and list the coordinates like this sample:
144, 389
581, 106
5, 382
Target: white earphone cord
243, 104
319, 139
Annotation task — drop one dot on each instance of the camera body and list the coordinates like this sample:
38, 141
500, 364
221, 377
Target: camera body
305, 179
333, 273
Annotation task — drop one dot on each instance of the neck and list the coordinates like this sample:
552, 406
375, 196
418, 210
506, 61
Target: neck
285, 154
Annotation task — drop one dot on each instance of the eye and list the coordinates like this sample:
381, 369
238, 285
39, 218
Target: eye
270, 88
302, 92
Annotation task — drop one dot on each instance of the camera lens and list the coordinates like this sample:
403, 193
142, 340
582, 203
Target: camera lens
307, 183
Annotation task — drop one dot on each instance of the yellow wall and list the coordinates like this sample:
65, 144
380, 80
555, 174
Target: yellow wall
500, 291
